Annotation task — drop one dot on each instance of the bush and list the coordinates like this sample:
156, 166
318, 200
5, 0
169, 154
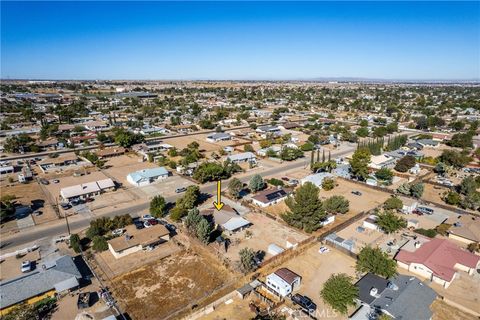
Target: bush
75, 243
453, 198
276, 182
328, 184
336, 204
339, 292
256, 183
431, 233
99, 244
158, 206
404, 164
393, 203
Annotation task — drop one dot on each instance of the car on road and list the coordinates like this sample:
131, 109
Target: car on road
180, 190
305, 302
55, 181
357, 193
118, 232
44, 181
27, 266
147, 217
285, 179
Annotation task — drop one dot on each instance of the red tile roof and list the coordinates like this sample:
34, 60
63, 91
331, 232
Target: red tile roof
440, 256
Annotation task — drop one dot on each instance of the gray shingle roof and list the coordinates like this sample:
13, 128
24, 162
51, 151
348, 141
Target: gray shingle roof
34, 283
404, 297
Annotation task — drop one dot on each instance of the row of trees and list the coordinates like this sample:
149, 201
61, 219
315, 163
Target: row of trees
211, 171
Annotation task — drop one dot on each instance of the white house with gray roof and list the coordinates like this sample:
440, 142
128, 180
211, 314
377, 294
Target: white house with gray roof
147, 176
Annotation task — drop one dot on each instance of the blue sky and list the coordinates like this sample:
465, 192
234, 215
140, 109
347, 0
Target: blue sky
233, 40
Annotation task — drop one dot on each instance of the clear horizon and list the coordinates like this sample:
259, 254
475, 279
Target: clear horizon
391, 41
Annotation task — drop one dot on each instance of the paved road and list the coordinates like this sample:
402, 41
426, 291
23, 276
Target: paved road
80, 222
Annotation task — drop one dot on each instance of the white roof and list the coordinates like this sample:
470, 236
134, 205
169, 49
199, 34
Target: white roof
274, 249
86, 188
317, 178
235, 223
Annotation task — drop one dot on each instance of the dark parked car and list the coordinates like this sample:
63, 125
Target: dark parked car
44, 181
180, 190
305, 302
65, 206
357, 193
138, 224
152, 221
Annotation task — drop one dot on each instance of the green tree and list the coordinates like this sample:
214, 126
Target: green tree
247, 260
192, 220
359, 163
306, 210
204, 228
404, 164
235, 186
454, 158
158, 206
416, 190
468, 185
362, 132
185, 203
389, 222
289, 154
453, 198
393, 203
376, 261
256, 183
384, 174
99, 244
471, 201
336, 204
75, 243
339, 292
328, 184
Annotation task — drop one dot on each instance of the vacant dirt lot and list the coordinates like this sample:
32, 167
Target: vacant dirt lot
315, 269
156, 290
444, 311
369, 199
264, 231
119, 167
31, 193
205, 146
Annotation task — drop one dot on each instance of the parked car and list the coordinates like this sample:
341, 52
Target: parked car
425, 210
65, 206
293, 182
138, 224
180, 190
75, 202
305, 302
170, 227
357, 193
285, 179
26, 266
147, 217
153, 221
323, 250
55, 181
118, 232
44, 181
147, 224
89, 200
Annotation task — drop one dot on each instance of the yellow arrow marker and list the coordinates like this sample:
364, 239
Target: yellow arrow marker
219, 204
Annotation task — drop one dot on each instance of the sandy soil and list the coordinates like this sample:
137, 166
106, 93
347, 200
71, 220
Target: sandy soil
444, 311
154, 291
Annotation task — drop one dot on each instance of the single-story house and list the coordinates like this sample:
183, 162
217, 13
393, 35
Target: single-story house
151, 147
87, 190
219, 136
371, 222
147, 176
242, 157
402, 297
317, 178
153, 130
428, 143
96, 125
436, 259
110, 152
268, 129
382, 161
226, 219
45, 281
134, 240
58, 162
283, 282
271, 196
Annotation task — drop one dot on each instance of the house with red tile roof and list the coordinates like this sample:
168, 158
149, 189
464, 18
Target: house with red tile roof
436, 259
